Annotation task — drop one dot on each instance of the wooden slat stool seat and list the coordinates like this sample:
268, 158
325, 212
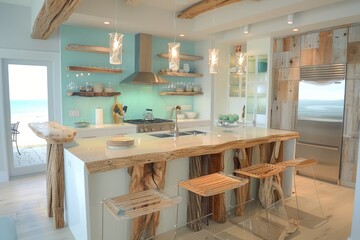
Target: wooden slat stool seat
138, 204
310, 217
212, 184
261, 170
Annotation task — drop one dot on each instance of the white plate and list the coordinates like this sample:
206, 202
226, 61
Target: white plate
81, 124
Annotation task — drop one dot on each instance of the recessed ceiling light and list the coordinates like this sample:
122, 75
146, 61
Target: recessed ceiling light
246, 29
295, 30
182, 35
106, 23
290, 19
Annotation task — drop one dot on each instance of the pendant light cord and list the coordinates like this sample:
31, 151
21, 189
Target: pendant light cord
116, 15
174, 22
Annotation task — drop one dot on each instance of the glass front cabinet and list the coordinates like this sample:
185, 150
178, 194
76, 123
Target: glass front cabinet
237, 82
249, 81
257, 89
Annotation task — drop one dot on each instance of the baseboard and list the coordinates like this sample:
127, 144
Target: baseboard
347, 184
4, 177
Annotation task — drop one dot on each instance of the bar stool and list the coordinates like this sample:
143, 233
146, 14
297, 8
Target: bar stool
210, 185
274, 214
311, 217
137, 204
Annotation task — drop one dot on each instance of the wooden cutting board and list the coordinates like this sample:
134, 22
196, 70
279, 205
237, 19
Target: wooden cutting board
116, 108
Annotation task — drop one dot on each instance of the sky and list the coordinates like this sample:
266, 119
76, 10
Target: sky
27, 82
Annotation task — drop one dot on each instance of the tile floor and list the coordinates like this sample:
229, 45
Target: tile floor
30, 156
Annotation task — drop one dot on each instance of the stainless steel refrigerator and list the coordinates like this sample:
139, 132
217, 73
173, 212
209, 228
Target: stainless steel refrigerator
320, 118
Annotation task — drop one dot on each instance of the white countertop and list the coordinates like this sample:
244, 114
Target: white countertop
104, 126
98, 157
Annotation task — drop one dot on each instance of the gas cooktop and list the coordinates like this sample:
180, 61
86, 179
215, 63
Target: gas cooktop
142, 121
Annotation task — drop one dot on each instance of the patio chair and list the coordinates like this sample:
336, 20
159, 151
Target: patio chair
14, 133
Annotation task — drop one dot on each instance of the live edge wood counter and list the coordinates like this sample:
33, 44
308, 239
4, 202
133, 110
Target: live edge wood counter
147, 149
94, 172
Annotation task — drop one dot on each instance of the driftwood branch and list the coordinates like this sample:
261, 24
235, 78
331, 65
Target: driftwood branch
52, 14
144, 177
55, 135
242, 159
204, 6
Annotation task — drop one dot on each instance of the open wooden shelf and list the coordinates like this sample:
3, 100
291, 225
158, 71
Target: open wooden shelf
93, 69
138, 204
185, 57
212, 184
94, 94
180, 74
87, 48
180, 93
261, 170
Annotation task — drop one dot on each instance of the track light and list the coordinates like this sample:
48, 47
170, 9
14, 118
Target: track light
290, 19
246, 29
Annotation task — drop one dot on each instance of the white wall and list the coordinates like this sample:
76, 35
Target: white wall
203, 103
16, 44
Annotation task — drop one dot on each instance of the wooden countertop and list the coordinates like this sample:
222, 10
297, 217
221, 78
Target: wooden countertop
97, 157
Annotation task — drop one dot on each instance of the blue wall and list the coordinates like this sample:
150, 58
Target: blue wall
136, 97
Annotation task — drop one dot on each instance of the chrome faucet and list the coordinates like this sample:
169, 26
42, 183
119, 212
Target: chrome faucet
176, 127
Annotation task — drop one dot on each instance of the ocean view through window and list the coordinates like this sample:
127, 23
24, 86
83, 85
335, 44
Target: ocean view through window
28, 103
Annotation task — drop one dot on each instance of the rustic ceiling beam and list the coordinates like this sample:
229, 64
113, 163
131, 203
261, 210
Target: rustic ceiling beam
204, 6
52, 14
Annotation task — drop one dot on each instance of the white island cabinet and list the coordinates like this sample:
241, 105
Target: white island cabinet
94, 172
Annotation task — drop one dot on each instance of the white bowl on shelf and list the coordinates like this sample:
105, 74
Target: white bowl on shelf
181, 116
191, 115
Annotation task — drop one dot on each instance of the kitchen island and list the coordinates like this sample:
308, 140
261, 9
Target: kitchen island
94, 172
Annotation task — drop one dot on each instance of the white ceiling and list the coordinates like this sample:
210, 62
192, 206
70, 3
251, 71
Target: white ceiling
265, 17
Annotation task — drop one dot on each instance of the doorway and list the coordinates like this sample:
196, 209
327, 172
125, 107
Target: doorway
28, 101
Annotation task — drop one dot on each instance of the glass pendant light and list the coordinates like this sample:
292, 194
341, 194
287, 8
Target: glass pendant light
213, 53
116, 43
174, 50
116, 47
213, 60
240, 60
174, 53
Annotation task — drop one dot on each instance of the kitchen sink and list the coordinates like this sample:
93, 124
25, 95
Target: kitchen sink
196, 132
161, 135
166, 135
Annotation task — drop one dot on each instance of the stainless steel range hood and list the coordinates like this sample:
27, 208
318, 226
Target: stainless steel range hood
143, 63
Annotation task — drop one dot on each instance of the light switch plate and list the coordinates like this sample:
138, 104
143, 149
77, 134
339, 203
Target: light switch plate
74, 113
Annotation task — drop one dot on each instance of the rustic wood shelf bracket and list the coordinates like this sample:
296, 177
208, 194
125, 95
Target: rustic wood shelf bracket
87, 48
94, 94
180, 93
180, 74
93, 69
185, 57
